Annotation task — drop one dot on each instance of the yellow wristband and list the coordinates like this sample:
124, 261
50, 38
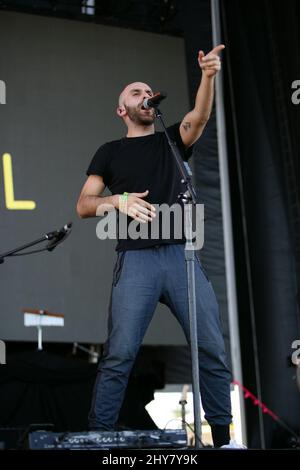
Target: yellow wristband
124, 196
123, 202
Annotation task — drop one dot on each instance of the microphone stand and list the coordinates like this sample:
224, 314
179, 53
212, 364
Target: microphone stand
49, 236
189, 199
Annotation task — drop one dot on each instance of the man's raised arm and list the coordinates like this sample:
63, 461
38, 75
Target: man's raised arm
194, 122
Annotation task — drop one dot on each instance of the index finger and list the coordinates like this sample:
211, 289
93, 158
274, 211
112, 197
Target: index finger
218, 49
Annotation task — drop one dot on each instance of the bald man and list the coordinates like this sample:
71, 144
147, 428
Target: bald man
141, 174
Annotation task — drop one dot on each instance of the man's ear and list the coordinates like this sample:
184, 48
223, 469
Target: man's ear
121, 110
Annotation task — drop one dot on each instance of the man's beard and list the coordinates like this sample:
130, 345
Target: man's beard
136, 116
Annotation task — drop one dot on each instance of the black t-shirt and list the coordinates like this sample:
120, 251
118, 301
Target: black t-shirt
135, 164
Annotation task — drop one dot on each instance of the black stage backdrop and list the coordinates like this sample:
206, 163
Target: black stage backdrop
263, 59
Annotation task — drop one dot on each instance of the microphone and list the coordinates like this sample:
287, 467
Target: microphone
154, 100
58, 236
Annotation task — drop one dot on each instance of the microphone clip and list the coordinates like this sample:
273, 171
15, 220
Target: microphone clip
58, 236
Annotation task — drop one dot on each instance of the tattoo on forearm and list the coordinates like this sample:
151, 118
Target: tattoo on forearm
186, 126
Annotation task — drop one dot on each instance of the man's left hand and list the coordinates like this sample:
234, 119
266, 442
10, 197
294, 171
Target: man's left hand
210, 63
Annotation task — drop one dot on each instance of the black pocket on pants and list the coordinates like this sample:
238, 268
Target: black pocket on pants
118, 267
